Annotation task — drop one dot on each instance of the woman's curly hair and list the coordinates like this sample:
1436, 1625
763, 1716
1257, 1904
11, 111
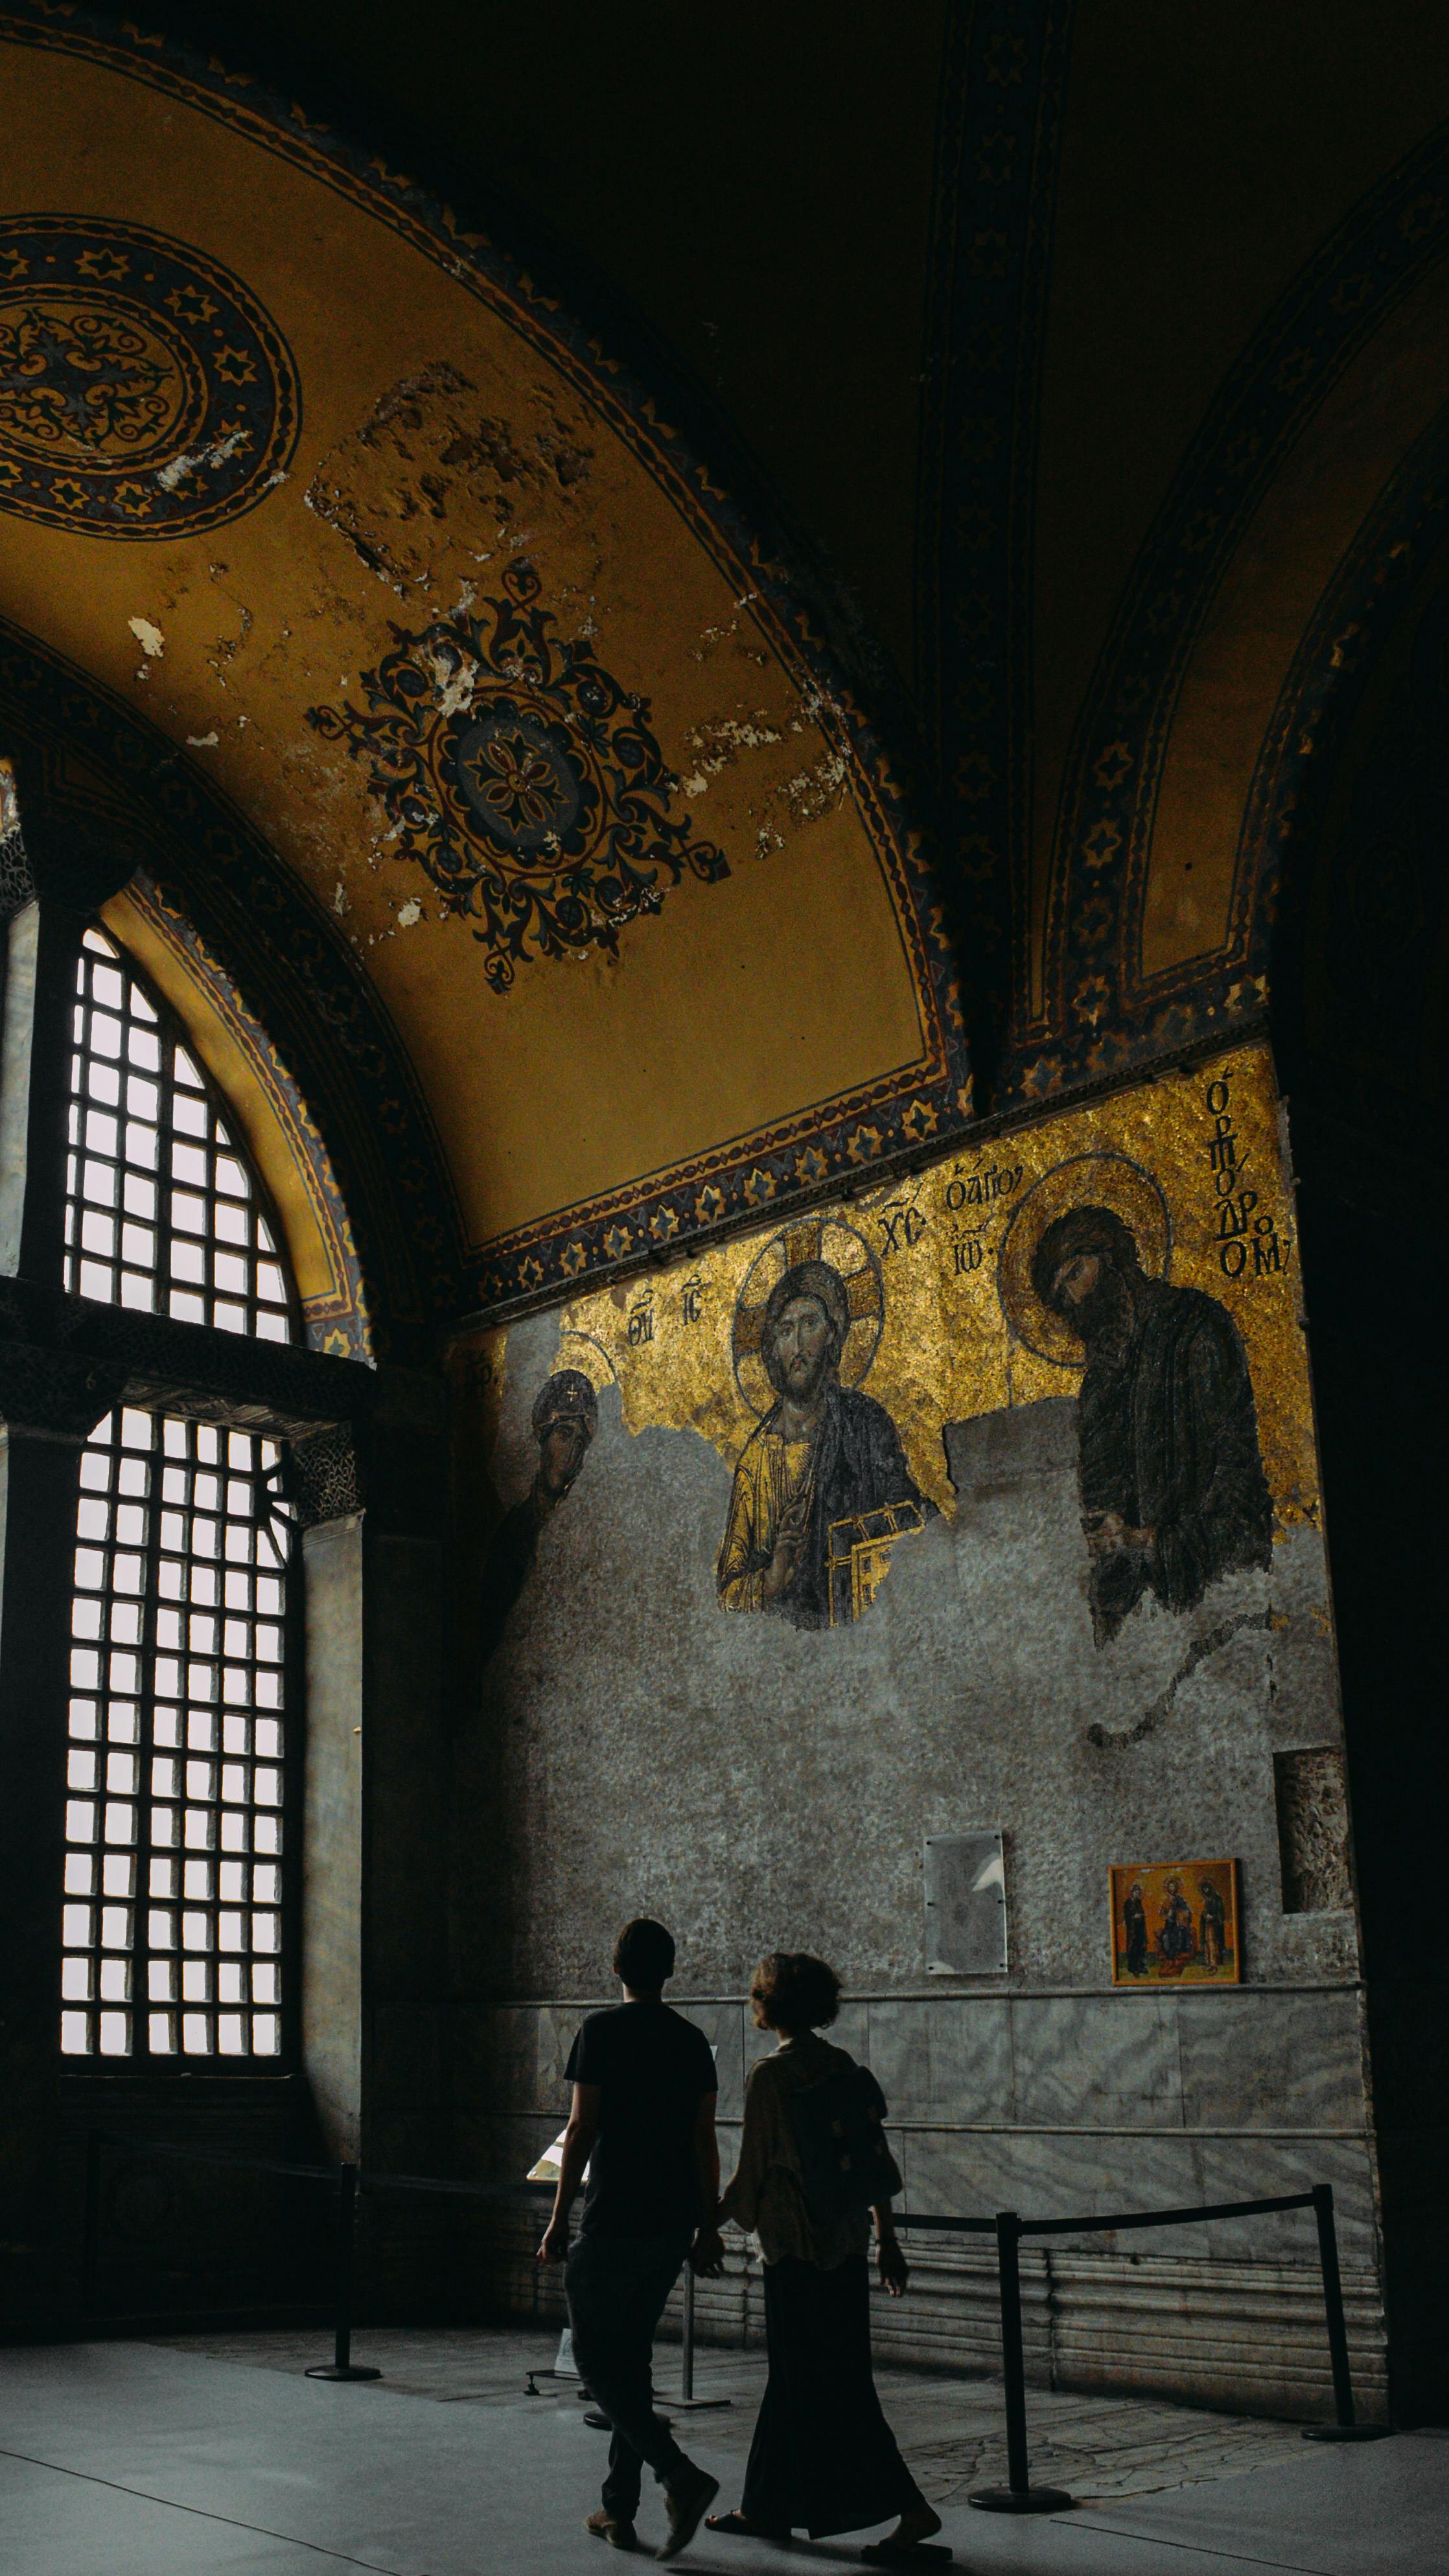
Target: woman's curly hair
793, 1992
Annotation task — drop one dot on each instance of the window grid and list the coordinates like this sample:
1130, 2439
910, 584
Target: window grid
162, 1212
172, 1916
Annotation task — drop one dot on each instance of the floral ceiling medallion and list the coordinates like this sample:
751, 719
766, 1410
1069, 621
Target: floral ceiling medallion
522, 778
144, 392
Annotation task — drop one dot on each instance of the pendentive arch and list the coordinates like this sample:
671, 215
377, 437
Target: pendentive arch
1229, 569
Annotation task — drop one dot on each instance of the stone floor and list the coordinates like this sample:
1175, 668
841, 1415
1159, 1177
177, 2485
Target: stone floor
950, 2429
214, 2457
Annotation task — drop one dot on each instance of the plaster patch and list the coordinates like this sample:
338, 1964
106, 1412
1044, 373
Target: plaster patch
718, 743
149, 637
209, 458
431, 460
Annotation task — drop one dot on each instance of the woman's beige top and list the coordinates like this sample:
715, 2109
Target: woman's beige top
768, 2192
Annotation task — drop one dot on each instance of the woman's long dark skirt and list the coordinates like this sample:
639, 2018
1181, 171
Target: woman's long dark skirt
823, 2458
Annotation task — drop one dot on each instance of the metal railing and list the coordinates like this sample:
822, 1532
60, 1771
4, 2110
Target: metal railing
1007, 2228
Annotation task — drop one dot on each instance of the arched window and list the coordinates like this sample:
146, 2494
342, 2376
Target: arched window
174, 1919
162, 1211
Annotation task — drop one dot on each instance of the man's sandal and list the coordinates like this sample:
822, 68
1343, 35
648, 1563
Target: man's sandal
735, 2527
611, 2527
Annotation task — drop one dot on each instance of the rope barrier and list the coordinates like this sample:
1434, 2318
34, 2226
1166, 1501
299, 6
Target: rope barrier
1017, 2496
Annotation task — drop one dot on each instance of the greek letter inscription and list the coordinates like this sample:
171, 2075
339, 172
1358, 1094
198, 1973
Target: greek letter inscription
979, 1189
641, 1320
691, 1300
1244, 1231
902, 1227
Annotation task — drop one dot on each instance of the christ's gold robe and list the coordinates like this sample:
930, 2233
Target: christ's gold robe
770, 1476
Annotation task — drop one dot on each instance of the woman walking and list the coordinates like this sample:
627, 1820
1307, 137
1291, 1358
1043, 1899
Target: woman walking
823, 2455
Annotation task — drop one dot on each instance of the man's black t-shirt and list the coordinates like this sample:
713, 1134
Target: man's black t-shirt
651, 2066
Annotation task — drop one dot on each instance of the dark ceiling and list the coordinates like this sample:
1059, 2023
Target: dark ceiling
738, 197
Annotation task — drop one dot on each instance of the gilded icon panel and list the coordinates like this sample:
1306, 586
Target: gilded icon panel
1175, 1923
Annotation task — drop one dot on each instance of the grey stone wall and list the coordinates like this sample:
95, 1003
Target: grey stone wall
639, 1750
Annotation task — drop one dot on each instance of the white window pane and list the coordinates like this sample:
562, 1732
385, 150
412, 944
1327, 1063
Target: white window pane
179, 1723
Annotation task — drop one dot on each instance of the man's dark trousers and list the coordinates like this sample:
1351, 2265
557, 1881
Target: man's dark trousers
617, 2287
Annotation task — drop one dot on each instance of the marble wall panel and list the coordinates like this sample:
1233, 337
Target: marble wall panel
972, 2065
1042, 2176
898, 2052
557, 2027
1239, 2169
1098, 2062
1258, 2061
722, 2027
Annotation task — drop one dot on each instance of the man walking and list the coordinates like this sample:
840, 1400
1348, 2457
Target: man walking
642, 2122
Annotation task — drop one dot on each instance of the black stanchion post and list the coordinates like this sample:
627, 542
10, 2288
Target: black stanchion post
687, 2364
686, 2402
1345, 2429
1019, 2496
90, 2240
342, 2365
